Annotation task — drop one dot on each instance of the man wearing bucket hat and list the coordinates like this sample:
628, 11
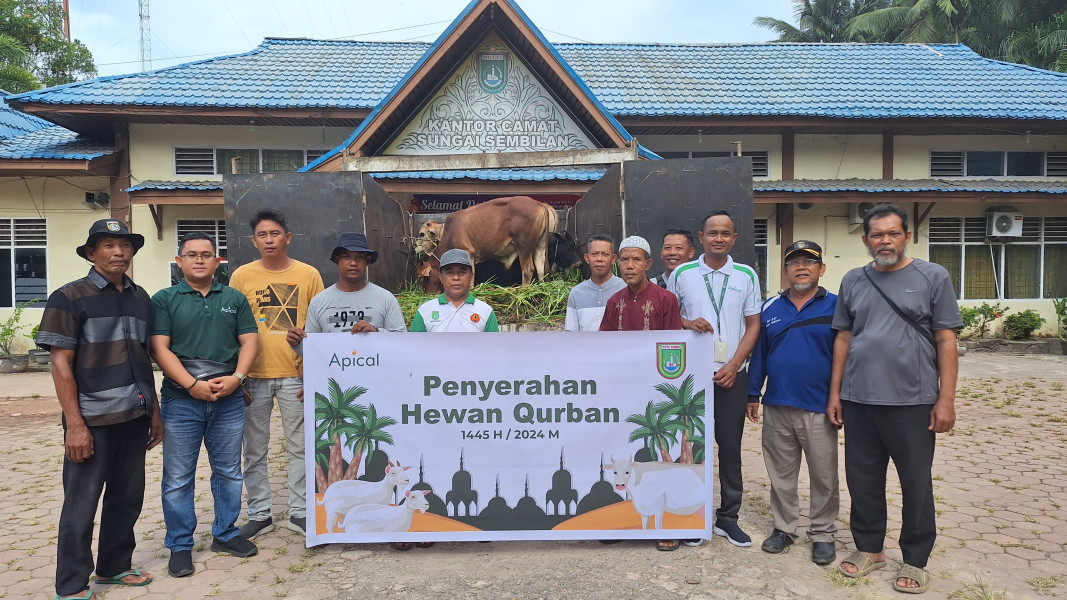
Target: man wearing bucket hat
456, 309
111, 414
353, 304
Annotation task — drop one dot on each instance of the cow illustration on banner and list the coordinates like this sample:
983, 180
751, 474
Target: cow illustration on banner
560, 435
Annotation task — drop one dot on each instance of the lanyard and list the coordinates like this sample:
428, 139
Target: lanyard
722, 296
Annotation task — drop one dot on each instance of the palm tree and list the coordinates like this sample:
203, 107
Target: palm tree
367, 433
688, 408
658, 426
1042, 45
976, 23
337, 414
15, 76
821, 20
323, 445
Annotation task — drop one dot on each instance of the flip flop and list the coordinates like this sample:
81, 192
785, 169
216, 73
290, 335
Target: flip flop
401, 546
117, 579
86, 596
917, 575
863, 563
667, 545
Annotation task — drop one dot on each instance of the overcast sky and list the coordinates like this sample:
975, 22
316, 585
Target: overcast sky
189, 30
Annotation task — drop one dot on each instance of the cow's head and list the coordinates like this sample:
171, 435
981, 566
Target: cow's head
429, 277
621, 470
562, 251
429, 236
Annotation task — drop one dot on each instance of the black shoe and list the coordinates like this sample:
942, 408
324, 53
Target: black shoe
181, 563
235, 546
732, 533
823, 553
253, 529
298, 524
778, 542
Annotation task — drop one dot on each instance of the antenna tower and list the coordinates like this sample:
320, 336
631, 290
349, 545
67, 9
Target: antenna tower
146, 36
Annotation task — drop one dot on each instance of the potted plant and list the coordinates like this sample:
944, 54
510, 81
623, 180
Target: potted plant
38, 355
9, 330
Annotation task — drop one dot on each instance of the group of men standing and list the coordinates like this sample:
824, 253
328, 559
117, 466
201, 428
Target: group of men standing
229, 352
882, 357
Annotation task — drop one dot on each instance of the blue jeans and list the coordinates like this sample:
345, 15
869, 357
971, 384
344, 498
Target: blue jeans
220, 426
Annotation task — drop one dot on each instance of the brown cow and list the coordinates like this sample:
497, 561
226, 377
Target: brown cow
502, 229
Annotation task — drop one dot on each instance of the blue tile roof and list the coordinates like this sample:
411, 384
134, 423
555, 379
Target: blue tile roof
912, 185
821, 80
14, 123
54, 142
176, 185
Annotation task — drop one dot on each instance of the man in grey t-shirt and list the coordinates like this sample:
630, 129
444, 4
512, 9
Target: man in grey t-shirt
353, 304
588, 299
893, 383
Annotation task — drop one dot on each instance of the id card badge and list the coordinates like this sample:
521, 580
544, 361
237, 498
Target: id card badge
722, 350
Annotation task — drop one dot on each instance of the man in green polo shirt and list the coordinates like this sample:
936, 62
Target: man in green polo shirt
202, 319
456, 309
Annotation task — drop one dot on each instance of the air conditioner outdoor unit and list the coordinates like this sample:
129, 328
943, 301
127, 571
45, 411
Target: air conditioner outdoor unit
1004, 224
857, 211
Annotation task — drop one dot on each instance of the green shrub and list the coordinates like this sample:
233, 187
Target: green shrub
11, 327
976, 320
1020, 325
1061, 316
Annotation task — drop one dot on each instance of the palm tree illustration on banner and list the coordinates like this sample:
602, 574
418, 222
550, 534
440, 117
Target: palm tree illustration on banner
337, 415
656, 427
688, 410
367, 433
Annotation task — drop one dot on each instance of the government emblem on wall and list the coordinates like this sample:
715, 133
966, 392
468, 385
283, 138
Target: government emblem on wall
492, 71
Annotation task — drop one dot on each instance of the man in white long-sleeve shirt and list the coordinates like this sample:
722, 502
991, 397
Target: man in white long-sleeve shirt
588, 299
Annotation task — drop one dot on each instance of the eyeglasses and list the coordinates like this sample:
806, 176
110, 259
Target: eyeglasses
807, 262
204, 256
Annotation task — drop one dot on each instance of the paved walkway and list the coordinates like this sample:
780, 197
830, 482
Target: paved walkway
1000, 485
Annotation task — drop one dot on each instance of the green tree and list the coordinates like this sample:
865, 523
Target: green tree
687, 409
822, 20
367, 433
14, 58
38, 27
1043, 45
335, 415
658, 426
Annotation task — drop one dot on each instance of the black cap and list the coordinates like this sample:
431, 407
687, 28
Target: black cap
353, 242
110, 228
804, 246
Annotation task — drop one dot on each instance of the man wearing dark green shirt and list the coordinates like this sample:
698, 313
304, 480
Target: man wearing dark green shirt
202, 319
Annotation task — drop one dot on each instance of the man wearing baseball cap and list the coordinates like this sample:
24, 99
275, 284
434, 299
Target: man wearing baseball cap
456, 309
111, 414
794, 356
353, 304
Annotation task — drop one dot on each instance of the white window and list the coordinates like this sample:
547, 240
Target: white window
1031, 266
216, 228
228, 161
997, 163
23, 261
759, 158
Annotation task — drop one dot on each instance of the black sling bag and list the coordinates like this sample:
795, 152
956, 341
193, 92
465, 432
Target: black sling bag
927, 335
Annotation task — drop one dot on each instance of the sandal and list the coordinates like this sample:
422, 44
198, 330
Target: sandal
401, 546
87, 595
424, 544
863, 564
118, 579
667, 545
915, 574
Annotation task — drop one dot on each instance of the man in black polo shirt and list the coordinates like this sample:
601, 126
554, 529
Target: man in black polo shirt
96, 329
202, 403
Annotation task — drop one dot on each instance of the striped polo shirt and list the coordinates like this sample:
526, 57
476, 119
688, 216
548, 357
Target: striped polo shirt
108, 329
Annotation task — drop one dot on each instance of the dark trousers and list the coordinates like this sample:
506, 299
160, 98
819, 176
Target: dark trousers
730, 405
873, 435
115, 469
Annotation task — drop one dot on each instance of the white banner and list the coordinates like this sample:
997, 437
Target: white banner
503, 436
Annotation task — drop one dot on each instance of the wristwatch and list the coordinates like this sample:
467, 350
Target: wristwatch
241, 377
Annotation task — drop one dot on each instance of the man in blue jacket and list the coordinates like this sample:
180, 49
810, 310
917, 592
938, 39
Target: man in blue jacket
794, 356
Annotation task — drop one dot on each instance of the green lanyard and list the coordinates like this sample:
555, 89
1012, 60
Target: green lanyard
722, 296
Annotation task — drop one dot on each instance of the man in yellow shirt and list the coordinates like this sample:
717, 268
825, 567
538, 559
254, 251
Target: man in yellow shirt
278, 289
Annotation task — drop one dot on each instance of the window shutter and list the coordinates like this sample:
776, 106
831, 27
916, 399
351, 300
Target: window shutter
31, 232
194, 161
946, 164
945, 230
1056, 164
